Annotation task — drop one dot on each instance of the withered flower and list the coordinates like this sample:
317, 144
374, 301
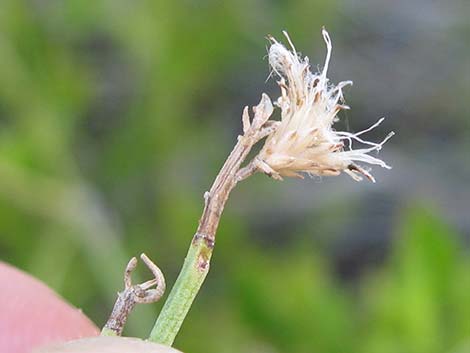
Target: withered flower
305, 141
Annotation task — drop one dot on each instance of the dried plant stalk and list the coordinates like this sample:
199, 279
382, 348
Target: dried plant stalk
134, 294
196, 264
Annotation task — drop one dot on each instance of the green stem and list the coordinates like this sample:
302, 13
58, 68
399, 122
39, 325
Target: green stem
196, 264
190, 279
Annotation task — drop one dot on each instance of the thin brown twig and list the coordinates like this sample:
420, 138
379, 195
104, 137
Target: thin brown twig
134, 294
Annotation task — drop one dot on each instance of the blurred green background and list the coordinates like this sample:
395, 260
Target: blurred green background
115, 117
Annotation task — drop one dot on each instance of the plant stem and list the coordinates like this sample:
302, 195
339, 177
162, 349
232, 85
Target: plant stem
190, 279
196, 265
197, 262
132, 295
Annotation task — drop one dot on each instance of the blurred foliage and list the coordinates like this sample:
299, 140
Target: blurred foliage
114, 118
288, 300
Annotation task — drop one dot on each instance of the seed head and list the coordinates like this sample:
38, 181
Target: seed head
305, 141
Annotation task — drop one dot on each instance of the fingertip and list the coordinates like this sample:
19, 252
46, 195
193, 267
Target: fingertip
33, 314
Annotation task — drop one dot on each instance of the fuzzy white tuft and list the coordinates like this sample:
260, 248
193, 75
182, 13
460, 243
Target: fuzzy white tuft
305, 141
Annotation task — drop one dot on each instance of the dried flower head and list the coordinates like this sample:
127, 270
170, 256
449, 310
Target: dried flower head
305, 141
